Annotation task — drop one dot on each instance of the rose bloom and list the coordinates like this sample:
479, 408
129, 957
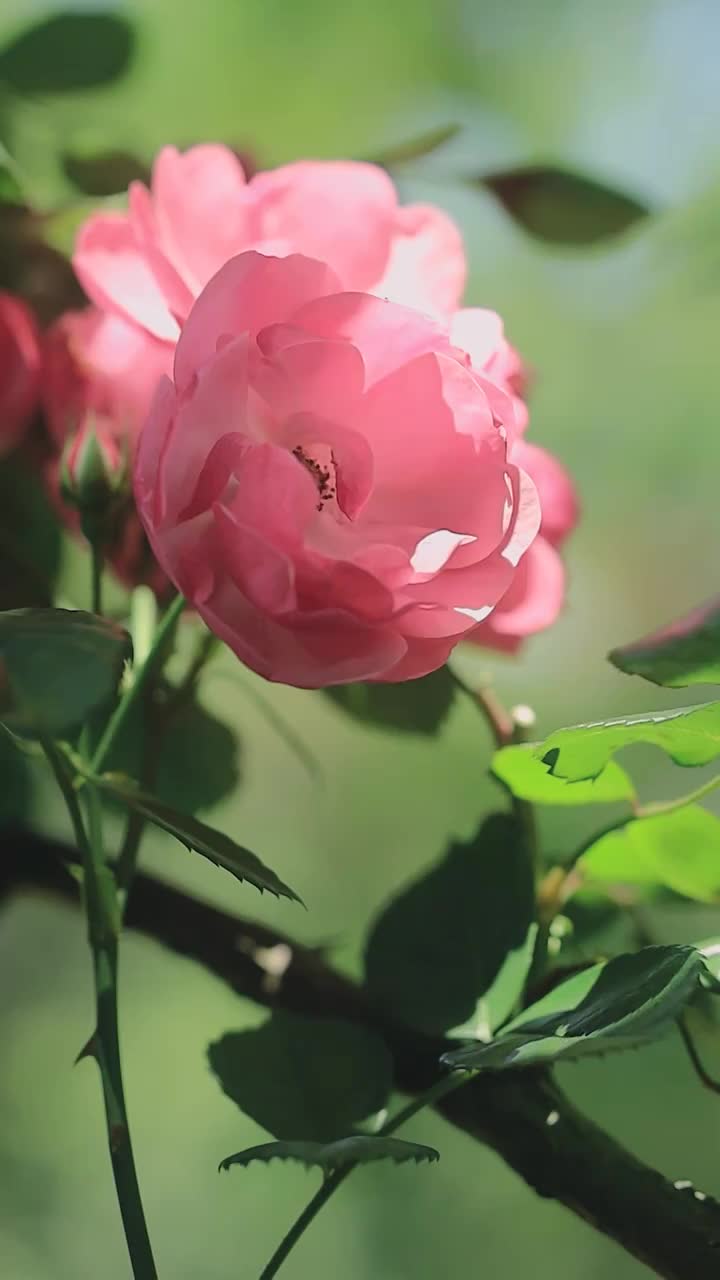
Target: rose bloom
144, 268
19, 370
327, 480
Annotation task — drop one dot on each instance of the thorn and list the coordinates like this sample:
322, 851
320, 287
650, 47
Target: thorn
88, 1050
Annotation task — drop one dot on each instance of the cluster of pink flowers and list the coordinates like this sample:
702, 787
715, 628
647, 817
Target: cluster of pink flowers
329, 452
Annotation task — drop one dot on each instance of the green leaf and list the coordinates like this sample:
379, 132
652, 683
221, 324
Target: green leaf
103, 174
689, 735
196, 835
561, 207
415, 706
528, 778
438, 947
624, 1003
57, 666
359, 1149
68, 52
679, 654
680, 850
304, 1079
423, 144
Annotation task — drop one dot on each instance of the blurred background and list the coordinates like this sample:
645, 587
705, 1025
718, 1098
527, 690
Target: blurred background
623, 340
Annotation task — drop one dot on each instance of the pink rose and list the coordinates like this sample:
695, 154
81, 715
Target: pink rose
327, 480
19, 369
150, 263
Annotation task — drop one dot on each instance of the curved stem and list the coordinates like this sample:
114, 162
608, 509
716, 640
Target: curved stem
703, 1075
140, 680
669, 806
102, 918
444, 1086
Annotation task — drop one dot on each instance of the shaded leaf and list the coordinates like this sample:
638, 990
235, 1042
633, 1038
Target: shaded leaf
437, 948
359, 1149
529, 778
682, 653
502, 996
561, 207
68, 52
57, 666
624, 1003
680, 850
689, 735
105, 173
195, 835
304, 1079
198, 762
414, 706
423, 144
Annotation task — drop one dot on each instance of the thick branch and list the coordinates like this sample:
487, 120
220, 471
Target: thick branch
523, 1116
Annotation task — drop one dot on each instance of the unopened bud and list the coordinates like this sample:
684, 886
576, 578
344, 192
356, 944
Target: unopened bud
94, 477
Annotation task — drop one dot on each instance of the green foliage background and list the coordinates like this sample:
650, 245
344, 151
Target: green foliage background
624, 342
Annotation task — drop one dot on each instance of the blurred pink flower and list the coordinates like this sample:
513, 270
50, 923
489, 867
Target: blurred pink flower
99, 376
19, 370
98, 365
327, 480
150, 263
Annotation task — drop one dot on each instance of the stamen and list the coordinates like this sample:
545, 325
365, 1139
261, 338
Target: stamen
324, 477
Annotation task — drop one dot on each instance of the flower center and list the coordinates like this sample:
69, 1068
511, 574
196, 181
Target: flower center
324, 475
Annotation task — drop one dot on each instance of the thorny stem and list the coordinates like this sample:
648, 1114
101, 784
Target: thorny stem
102, 919
444, 1086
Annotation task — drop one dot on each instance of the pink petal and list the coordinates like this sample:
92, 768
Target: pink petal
439, 461
423, 656
116, 277
215, 406
340, 212
150, 494
386, 335
305, 374
311, 652
177, 292
427, 267
532, 603
249, 293
202, 214
264, 574
558, 499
